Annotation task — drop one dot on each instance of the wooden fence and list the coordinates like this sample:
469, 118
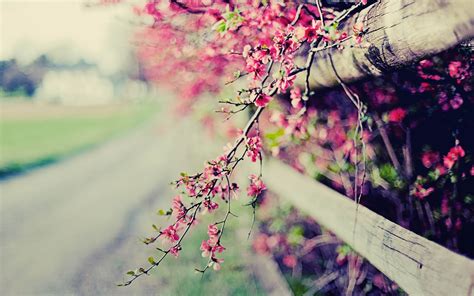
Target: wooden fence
398, 33
419, 266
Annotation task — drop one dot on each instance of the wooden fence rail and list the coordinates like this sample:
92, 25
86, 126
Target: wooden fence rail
419, 266
398, 33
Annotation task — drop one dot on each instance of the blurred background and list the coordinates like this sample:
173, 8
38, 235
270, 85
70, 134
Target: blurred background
87, 152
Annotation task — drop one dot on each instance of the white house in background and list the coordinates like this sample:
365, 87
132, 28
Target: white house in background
75, 87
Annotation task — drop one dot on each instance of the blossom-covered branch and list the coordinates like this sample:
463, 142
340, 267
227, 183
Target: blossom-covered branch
269, 37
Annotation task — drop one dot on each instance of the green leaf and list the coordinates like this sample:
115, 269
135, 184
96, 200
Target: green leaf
389, 174
343, 249
220, 26
295, 235
131, 272
454, 179
161, 212
469, 199
434, 175
151, 260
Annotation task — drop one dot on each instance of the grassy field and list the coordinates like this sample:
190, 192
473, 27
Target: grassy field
32, 135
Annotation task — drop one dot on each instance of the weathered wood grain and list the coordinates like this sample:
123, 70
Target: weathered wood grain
399, 32
419, 266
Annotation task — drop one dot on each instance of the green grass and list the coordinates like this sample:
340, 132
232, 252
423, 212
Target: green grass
29, 142
235, 277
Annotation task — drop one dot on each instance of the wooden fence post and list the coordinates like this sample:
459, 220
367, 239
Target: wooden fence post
419, 266
398, 33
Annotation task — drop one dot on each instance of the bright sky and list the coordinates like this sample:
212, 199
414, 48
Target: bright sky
66, 28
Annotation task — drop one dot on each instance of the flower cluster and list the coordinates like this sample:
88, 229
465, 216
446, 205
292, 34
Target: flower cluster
453, 155
254, 146
256, 186
212, 246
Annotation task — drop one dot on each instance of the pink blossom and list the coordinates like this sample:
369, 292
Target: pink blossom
429, 158
422, 192
246, 50
178, 207
213, 233
262, 100
256, 186
426, 64
216, 263
260, 243
210, 205
453, 155
171, 233
425, 87
254, 146
396, 115
285, 82
206, 249
458, 71
456, 102
454, 68
290, 261
295, 96
175, 251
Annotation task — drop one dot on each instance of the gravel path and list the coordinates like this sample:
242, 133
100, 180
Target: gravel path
73, 228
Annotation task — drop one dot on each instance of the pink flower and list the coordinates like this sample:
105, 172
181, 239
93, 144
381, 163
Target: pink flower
429, 158
453, 155
171, 233
458, 151
256, 68
210, 205
295, 96
290, 261
421, 192
150, 8
175, 251
256, 186
458, 71
206, 249
254, 146
285, 82
396, 115
260, 244
426, 64
358, 30
246, 50
178, 207
216, 263
213, 233
456, 102
262, 100
425, 87
454, 68
449, 161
